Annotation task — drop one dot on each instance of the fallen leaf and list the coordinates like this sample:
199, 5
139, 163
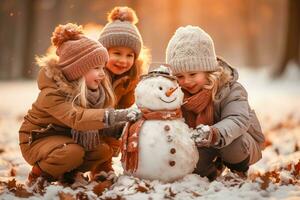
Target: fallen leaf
267, 143
142, 189
296, 148
172, 194
22, 192
11, 184
100, 187
81, 196
195, 194
266, 181
13, 172
297, 169
65, 196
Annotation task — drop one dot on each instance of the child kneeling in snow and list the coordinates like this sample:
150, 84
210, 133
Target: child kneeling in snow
216, 105
65, 131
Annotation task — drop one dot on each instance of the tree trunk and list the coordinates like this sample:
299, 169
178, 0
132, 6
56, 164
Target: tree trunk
291, 50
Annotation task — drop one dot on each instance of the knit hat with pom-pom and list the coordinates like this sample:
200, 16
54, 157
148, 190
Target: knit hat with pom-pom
77, 53
121, 31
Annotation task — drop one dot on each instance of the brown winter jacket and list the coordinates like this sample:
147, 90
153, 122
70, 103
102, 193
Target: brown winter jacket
124, 90
54, 105
232, 114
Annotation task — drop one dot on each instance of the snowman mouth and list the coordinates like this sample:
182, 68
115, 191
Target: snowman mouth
167, 101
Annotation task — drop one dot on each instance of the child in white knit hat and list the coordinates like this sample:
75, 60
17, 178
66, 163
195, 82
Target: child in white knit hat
227, 131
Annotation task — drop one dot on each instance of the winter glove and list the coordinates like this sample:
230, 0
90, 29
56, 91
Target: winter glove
113, 117
206, 136
134, 114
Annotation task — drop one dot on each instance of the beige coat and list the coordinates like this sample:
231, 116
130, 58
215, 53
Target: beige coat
234, 117
124, 90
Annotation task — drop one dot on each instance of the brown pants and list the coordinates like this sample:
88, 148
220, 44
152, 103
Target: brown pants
238, 155
57, 155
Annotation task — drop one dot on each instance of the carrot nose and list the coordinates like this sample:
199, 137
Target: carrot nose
170, 91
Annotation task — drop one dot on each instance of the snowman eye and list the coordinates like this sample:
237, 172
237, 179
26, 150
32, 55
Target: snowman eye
160, 88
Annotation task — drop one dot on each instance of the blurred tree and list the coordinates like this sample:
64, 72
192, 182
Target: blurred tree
12, 37
291, 51
243, 36
250, 31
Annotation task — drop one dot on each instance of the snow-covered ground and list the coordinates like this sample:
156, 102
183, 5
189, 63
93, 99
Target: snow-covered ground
275, 176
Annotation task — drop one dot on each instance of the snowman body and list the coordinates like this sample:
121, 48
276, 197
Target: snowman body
166, 151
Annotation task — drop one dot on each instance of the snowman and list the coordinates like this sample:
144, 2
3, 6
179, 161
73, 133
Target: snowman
158, 146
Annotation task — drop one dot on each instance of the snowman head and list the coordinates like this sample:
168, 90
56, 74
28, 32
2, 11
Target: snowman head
158, 90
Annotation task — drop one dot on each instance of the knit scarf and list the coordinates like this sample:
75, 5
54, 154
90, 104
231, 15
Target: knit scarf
198, 108
130, 138
90, 139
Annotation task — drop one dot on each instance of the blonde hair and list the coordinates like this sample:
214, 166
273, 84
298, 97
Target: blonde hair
217, 79
110, 99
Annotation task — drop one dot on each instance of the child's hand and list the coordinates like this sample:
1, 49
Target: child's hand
113, 117
133, 114
204, 136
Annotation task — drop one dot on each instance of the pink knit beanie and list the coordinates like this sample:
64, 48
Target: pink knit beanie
77, 53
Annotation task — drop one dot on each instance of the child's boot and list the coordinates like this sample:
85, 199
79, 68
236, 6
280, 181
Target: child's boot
38, 179
241, 168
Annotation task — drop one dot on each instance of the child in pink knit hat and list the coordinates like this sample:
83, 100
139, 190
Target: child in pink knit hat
65, 131
127, 55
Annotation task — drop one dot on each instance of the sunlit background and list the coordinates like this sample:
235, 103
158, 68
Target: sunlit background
261, 38
248, 33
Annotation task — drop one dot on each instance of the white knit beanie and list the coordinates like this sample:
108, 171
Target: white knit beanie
191, 49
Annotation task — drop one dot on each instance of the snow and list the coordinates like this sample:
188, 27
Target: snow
276, 102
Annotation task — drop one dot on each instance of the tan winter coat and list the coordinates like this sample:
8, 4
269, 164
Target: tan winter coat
52, 115
124, 90
54, 105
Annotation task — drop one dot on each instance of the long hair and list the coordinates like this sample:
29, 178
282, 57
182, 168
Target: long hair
110, 99
217, 79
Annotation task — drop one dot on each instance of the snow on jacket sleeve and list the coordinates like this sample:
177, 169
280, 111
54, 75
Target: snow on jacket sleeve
235, 115
72, 116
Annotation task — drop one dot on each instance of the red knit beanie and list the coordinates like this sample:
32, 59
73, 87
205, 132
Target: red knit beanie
77, 53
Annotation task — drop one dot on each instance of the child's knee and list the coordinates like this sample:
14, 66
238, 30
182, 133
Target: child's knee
62, 159
74, 154
237, 151
240, 149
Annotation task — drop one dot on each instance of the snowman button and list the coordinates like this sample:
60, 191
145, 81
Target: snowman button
169, 138
173, 150
167, 128
172, 163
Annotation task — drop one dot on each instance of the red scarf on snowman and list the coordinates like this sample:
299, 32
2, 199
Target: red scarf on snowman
130, 138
